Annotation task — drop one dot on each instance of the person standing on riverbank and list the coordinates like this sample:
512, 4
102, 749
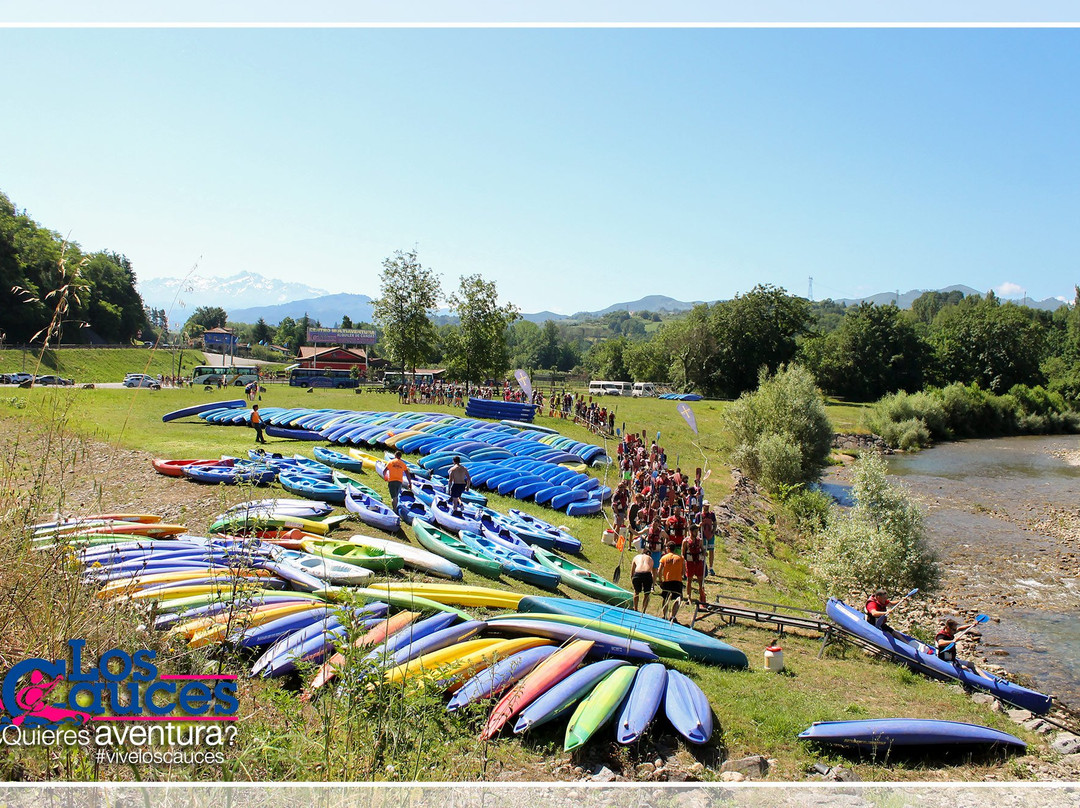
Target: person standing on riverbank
672, 569
257, 424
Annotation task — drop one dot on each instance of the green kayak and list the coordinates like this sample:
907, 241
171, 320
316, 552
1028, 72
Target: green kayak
451, 547
596, 709
345, 481
363, 556
581, 579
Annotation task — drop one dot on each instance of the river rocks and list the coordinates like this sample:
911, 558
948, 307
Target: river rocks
1066, 743
750, 767
860, 443
732, 777
1019, 716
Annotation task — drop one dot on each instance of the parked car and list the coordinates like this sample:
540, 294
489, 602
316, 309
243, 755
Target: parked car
141, 380
50, 379
19, 378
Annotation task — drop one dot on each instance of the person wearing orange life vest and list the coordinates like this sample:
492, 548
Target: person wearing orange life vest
395, 473
257, 424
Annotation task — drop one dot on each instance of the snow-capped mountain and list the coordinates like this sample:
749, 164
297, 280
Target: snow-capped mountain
239, 291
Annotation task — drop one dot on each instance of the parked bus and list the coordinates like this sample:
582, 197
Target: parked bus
322, 377
602, 388
239, 375
642, 389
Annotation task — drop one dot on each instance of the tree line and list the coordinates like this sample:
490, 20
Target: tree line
50, 288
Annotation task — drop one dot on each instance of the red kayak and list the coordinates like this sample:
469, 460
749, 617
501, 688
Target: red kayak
552, 670
175, 468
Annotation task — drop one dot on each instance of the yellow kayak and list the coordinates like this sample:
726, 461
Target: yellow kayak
369, 460
392, 441
222, 627
455, 594
189, 628
463, 659
581, 467
184, 591
124, 586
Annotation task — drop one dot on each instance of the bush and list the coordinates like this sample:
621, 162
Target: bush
878, 543
782, 434
810, 508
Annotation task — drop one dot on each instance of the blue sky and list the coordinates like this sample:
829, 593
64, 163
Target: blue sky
576, 168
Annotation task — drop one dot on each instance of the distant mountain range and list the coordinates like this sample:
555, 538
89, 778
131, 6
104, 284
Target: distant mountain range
905, 300
248, 296
179, 297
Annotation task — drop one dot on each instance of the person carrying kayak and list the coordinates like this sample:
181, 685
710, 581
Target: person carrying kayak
257, 424
877, 609
459, 479
395, 473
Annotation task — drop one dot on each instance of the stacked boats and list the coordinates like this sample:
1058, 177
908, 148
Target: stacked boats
509, 457
294, 611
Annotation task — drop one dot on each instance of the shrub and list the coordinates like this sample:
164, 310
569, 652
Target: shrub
878, 543
810, 508
781, 432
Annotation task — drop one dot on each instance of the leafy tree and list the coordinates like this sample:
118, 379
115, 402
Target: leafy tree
261, 332
605, 360
981, 340
878, 543
286, 334
781, 432
874, 351
753, 331
927, 305
408, 295
206, 317
690, 342
346, 321
479, 349
647, 361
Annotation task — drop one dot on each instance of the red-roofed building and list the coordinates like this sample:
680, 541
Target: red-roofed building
333, 358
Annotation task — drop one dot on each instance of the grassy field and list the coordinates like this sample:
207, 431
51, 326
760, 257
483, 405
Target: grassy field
102, 440
99, 364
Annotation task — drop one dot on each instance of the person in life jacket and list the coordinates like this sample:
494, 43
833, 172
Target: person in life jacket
396, 473
945, 637
693, 552
257, 424
877, 609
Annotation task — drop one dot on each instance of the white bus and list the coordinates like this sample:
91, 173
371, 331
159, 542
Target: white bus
642, 389
239, 375
602, 388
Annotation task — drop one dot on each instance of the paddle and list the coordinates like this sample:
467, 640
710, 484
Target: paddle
908, 595
979, 618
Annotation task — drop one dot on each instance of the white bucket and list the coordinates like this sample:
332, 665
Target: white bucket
774, 658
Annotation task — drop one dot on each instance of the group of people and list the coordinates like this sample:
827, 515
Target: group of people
665, 514
878, 607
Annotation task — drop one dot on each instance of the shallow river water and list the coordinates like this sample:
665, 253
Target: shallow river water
1004, 515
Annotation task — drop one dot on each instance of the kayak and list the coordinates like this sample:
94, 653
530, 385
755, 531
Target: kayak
371, 511
201, 408
687, 708
513, 563
581, 579
641, 705
603, 644
370, 557
456, 594
663, 648
701, 647
492, 681
915, 653
450, 547
598, 707
377, 634
414, 557
331, 571
889, 732
548, 673
557, 700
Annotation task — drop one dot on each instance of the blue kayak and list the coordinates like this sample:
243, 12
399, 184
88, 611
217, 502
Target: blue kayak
891, 732
922, 657
491, 681
563, 695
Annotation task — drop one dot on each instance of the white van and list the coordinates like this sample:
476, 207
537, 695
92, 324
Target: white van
644, 389
601, 388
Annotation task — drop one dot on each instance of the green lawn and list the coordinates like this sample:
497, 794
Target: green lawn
757, 712
99, 364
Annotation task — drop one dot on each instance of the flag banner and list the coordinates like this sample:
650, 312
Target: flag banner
526, 385
688, 414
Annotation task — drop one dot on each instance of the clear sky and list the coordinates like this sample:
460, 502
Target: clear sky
576, 168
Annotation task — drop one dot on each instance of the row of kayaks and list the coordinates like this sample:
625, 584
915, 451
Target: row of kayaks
499, 410
590, 664
528, 464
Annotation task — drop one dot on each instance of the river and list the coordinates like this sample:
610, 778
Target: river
1004, 515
